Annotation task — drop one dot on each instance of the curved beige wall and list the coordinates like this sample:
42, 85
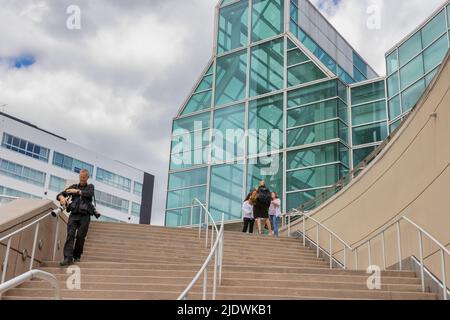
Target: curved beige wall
410, 177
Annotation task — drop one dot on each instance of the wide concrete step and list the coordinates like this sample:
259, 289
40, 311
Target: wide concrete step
224, 290
136, 254
229, 278
249, 263
128, 265
265, 286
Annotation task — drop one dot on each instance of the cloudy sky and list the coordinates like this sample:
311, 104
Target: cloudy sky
115, 85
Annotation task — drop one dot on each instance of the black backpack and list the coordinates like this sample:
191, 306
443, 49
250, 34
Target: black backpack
264, 196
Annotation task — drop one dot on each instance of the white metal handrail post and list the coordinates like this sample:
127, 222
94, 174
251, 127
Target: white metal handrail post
36, 233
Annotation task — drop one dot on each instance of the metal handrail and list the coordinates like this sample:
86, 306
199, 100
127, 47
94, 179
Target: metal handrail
31, 275
216, 252
354, 250
55, 213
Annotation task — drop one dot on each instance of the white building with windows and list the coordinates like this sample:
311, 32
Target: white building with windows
35, 163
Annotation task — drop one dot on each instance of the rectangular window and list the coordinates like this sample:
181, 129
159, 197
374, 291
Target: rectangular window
368, 92
137, 190
360, 154
304, 73
269, 169
297, 199
23, 173
111, 201
435, 28
136, 209
367, 113
266, 67
311, 113
233, 27
312, 178
231, 78
313, 93
371, 133
267, 19
25, 147
392, 62
393, 85
4, 191
434, 55
226, 191
410, 48
229, 135
315, 156
411, 72
265, 125
185, 186
313, 133
69, 163
57, 184
412, 95
190, 138
113, 179
394, 108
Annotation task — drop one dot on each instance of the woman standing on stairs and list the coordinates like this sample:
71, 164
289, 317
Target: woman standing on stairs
275, 212
261, 207
247, 209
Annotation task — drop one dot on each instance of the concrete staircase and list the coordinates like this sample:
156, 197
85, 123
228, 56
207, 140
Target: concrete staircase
147, 262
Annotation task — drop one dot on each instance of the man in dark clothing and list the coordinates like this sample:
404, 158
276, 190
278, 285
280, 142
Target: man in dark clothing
81, 209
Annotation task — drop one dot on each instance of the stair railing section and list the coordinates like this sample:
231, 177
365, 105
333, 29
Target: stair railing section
353, 251
31, 275
332, 237
55, 213
216, 253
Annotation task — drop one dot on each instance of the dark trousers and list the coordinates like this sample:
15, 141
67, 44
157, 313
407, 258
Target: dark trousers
77, 229
248, 225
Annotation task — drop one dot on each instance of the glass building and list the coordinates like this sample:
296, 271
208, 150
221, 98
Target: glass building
282, 102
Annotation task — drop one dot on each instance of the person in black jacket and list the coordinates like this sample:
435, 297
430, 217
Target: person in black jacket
81, 209
261, 207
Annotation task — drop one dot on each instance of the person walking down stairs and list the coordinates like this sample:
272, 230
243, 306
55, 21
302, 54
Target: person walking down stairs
261, 207
275, 212
247, 209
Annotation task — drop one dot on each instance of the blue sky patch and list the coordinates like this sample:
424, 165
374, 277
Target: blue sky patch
22, 61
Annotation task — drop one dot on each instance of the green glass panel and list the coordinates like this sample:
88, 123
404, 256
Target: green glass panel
183, 217
266, 67
313, 177
435, 28
296, 56
395, 125
313, 113
267, 19
226, 195
188, 178
269, 169
316, 92
370, 112
412, 95
233, 27
392, 62
184, 197
304, 73
205, 84
199, 101
430, 77
229, 135
343, 131
394, 108
410, 48
368, 92
370, 133
360, 154
231, 78
313, 156
342, 91
188, 123
290, 45
311, 134
189, 158
411, 72
393, 85
434, 55
343, 111
265, 124
297, 199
